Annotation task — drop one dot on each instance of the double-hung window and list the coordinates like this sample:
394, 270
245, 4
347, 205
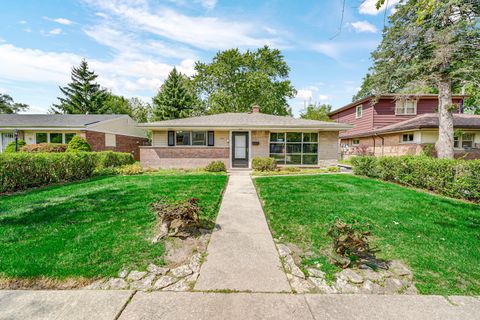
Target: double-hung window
405, 107
359, 111
407, 138
464, 141
294, 148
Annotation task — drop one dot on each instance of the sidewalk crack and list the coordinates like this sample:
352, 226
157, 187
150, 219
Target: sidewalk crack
125, 305
309, 308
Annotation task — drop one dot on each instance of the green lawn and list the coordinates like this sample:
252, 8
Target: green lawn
438, 238
95, 227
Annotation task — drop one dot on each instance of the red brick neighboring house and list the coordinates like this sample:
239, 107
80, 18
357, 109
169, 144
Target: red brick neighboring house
103, 132
395, 125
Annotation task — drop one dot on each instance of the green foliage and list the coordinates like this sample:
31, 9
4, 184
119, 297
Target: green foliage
11, 146
83, 95
110, 159
234, 81
7, 105
316, 112
78, 144
454, 178
138, 110
264, 164
22, 170
364, 165
216, 166
428, 150
45, 147
366, 89
175, 98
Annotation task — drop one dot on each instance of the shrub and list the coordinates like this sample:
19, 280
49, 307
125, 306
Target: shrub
264, 164
454, 178
216, 166
364, 165
333, 169
110, 159
130, 169
11, 146
23, 170
45, 147
78, 144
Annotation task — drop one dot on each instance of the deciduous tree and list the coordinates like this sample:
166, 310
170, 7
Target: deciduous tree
7, 105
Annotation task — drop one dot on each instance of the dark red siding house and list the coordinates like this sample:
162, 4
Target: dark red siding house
395, 125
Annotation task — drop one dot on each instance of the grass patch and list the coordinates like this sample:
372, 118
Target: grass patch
93, 228
436, 236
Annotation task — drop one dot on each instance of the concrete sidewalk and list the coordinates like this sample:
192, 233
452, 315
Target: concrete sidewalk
241, 255
112, 305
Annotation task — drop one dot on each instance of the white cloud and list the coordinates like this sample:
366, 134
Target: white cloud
369, 6
122, 74
64, 21
335, 50
323, 97
22, 22
304, 94
55, 32
210, 33
364, 26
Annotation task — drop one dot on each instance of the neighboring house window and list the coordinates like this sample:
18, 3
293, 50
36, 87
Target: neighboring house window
53, 137
407, 137
405, 107
110, 140
41, 137
295, 148
464, 141
355, 142
69, 137
359, 111
56, 137
191, 138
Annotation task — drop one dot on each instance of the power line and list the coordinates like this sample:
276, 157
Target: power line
341, 22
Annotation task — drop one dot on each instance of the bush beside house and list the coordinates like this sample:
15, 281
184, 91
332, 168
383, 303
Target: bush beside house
78, 144
454, 178
44, 147
264, 164
22, 170
11, 146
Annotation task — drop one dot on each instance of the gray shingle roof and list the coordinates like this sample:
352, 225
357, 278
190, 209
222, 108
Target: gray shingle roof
424, 121
245, 120
52, 120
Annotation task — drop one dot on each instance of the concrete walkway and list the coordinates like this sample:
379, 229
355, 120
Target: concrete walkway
241, 255
128, 305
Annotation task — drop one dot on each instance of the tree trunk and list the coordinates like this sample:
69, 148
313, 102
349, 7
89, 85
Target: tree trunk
444, 143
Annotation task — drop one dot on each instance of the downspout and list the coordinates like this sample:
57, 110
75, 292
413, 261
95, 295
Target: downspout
373, 145
383, 142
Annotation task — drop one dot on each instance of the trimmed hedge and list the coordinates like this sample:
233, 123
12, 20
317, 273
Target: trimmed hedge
264, 164
78, 144
453, 178
44, 147
22, 170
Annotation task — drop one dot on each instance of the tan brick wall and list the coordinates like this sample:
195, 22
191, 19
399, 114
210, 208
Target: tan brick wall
182, 158
123, 143
328, 147
262, 149
391, 146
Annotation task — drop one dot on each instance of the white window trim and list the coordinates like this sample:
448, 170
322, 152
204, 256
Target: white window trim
359, 107
407, 142
404, 108
460, 141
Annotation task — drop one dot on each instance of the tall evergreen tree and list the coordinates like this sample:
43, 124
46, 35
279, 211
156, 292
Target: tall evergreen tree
7, 105
430, 44
83, 95
174, 99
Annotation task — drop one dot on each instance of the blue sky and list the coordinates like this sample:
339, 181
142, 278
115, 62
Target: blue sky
132, 45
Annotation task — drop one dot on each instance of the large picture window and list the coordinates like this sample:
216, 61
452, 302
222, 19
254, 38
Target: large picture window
294, 148
53, 137
191, 138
